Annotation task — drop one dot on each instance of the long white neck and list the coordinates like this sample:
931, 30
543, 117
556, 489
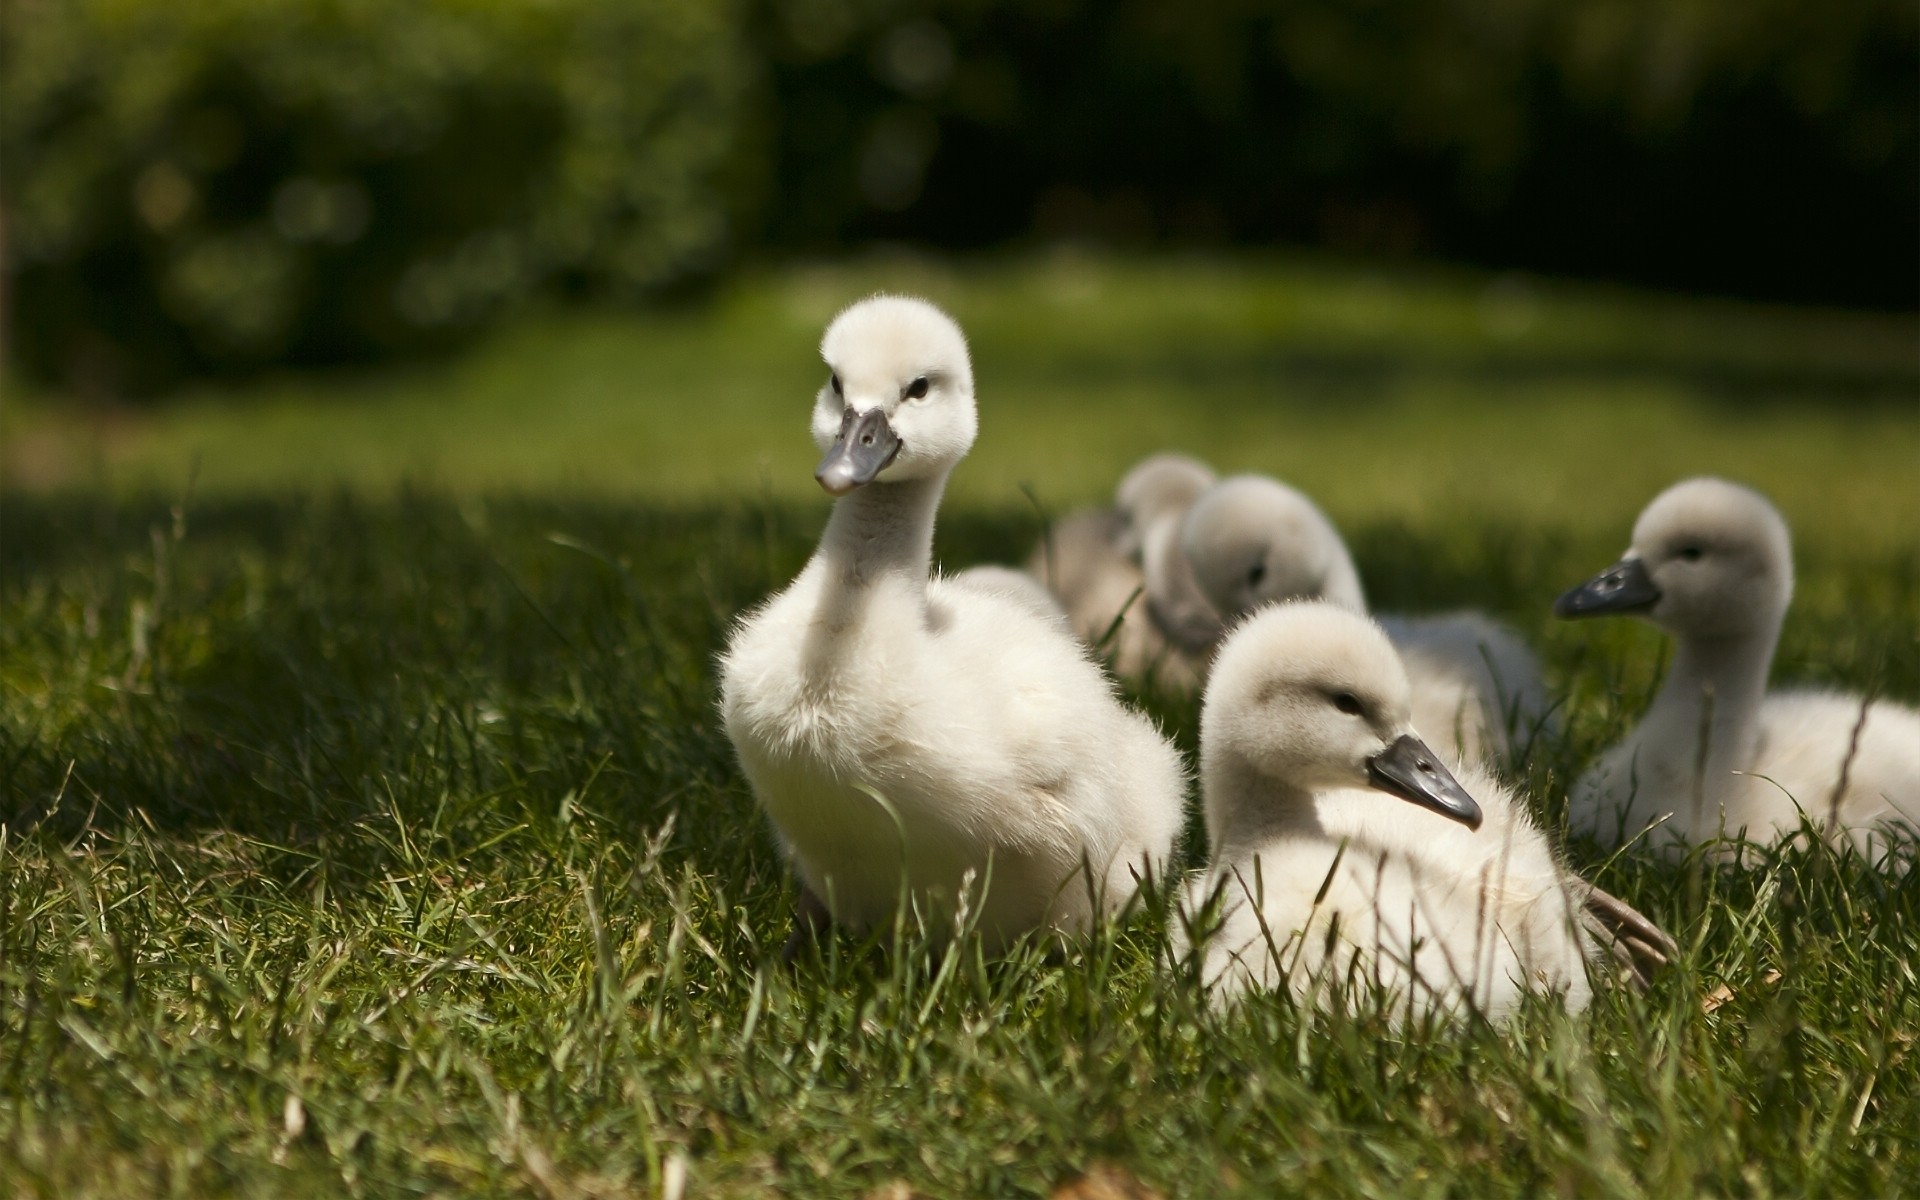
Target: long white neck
1705, 714
1342, 584
1246, 809
883, 530
878, 546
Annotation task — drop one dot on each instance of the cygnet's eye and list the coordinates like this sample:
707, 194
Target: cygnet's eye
1348, 703
917, 389
1256, 573
1692, 552
835, 381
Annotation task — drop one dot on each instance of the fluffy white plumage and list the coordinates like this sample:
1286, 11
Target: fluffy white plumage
1016, 584
907, 731
1712, 564
1251, 541
1332, 887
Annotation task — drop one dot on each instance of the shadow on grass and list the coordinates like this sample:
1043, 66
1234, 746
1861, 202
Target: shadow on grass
290, 667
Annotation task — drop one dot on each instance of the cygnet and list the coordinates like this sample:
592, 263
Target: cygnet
1251, 541
1119, 574
1711, 563
1348, 862
952, 746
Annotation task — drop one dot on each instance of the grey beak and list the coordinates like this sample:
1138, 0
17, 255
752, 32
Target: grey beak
1409, 770
1624, 587
864, 448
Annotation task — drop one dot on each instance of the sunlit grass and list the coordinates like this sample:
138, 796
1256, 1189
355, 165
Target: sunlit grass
391, 845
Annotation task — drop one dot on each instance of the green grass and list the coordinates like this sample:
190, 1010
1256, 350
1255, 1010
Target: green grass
373, 837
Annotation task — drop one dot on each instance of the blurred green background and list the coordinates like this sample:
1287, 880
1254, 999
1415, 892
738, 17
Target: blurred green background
232, 186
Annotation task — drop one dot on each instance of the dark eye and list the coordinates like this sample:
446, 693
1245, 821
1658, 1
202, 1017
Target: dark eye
1692, 553
917, 388
835, 381
1256, 573
1347, 703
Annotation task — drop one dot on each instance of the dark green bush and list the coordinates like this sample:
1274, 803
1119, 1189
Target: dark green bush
202, 185
223, 183
1764, 147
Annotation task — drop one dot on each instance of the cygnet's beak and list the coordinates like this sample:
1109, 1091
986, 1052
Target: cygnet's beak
864, 448
1409, 770
1624, 587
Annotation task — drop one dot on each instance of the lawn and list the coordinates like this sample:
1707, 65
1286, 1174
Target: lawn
367, 828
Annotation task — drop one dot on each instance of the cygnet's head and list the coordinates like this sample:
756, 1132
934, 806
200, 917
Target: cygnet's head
1153, 498
1161, 485
1709, 559
898, 400
1253, 541
1314, 697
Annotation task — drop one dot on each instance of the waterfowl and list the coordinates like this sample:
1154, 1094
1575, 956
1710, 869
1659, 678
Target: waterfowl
1347, 858
1251, 540
1106, 566
1711, 563
910, 736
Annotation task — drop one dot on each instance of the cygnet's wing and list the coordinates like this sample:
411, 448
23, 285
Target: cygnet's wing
1637, 946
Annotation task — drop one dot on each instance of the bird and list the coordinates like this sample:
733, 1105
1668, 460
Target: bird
910, 739
1251, 540
1117, 572
1717, 754
1347, 860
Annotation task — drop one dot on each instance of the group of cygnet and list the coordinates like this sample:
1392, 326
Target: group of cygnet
955, 746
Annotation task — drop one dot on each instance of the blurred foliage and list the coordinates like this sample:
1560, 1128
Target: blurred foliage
235, 182
1767, 147
230, 183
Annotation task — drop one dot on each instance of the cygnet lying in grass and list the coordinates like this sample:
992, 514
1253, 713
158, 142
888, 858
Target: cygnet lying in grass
1347, 860
910, 736
1252, 541
1712, 564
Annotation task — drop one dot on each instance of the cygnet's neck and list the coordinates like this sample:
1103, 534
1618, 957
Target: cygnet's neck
880, 532
1247, 809
1713, 690
1342, 584
1175, 600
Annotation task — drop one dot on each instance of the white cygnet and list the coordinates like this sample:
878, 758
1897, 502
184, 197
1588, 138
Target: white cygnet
1712, 564
908, 736
1348, 861
1252, 540
1119, 575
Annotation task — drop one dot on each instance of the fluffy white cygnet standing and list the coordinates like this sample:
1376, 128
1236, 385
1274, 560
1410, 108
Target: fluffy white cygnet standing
904, 732
1712, 564
1252, 541
1347, 859
1120, 576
